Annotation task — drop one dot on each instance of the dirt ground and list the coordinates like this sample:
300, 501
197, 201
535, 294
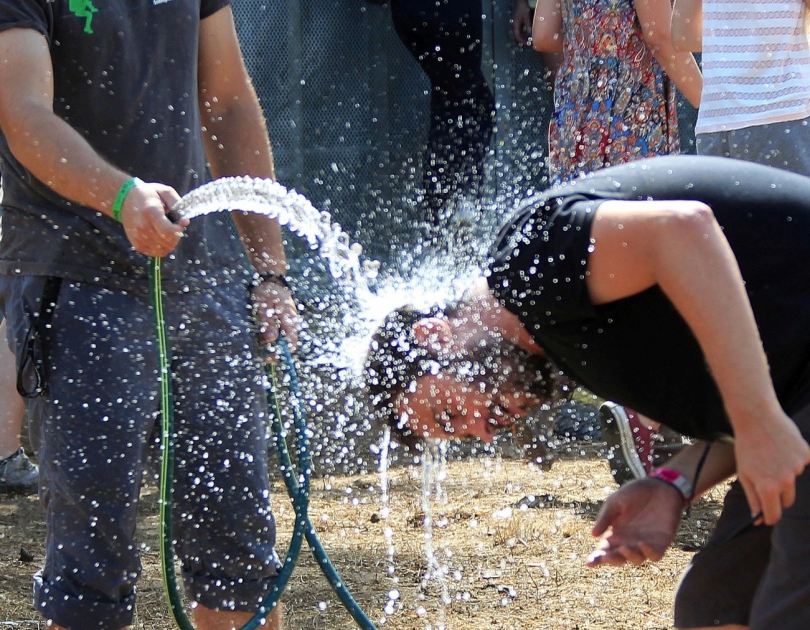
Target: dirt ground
500, 566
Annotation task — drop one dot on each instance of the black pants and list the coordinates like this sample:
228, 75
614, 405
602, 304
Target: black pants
445, 38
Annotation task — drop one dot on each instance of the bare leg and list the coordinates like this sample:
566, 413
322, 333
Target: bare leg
12, 408
208, 619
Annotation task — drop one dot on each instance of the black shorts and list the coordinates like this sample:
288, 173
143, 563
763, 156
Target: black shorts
759, 577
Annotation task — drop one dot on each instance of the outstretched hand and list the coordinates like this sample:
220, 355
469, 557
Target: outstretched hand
275, 312
145, 220
638, 522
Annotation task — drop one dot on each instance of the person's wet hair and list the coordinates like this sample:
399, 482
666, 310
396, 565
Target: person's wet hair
395, 360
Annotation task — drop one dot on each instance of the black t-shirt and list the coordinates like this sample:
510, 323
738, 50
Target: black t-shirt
125, 77
638, 351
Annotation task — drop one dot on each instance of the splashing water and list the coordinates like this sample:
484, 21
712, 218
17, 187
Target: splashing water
436, 279
432, 278
434, 472
431, 281
392, 605
265, 196
424, 281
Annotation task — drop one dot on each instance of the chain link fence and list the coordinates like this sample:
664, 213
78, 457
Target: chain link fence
347, 109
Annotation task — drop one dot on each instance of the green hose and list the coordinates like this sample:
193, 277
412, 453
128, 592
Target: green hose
297, 490
167, 453
294, 489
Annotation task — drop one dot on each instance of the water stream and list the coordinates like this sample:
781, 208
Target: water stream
291, 209
437, 279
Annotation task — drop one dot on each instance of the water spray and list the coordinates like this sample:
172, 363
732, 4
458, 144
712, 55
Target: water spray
297, 213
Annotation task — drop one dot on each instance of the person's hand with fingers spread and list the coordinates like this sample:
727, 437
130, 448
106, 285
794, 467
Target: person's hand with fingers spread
144, 217
770, 455
275, 311
637, 523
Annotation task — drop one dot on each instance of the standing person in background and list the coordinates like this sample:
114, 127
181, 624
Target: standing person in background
91, 102
755, 104
445, 38
614, 99
18, 474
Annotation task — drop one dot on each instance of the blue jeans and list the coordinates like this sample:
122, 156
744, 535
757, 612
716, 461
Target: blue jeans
784, 145
92, 427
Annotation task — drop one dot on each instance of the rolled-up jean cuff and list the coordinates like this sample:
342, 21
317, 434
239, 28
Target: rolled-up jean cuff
70, 611
238, 595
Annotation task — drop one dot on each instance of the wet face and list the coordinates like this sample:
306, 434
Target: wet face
444, 406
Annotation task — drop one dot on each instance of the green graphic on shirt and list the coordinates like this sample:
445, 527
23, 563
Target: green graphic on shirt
85, 9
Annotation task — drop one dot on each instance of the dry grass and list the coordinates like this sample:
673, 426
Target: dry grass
505, 567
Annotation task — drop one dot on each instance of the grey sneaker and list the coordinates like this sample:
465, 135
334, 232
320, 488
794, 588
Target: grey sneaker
629, 443
18, 474
633, 449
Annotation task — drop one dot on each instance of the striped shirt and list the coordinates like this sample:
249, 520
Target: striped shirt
756, 64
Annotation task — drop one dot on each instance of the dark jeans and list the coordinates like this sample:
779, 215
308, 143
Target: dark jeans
445, 38
92, 424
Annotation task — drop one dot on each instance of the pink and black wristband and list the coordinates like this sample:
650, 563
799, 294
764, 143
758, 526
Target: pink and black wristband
676, 480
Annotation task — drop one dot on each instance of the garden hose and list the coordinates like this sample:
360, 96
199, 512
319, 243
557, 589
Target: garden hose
297, 482
294, 488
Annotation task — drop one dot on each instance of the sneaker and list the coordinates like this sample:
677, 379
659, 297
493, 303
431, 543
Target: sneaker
18, 474
629, 443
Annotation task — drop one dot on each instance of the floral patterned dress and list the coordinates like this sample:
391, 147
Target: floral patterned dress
612, 101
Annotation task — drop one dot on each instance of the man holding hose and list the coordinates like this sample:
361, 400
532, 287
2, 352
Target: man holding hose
107, 116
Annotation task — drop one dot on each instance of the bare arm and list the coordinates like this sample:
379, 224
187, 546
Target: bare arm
655, 17
235, 135
57, 155
679, 246
639, 522
237, 143
719, 465
687, 25
547, 28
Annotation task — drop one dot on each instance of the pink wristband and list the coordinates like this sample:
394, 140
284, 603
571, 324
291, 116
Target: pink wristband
676, 480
